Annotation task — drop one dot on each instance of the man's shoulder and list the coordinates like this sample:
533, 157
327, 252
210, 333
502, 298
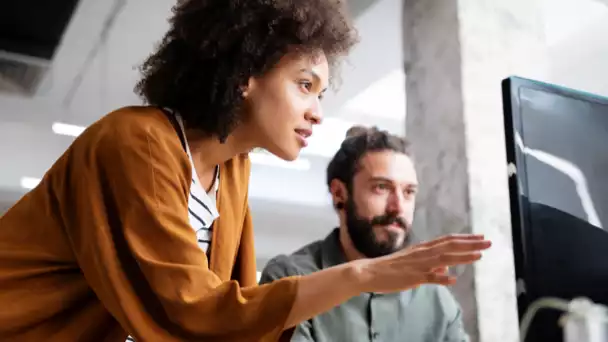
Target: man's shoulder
304, 261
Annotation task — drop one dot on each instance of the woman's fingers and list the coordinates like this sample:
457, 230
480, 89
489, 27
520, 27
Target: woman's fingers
437, 278
452, 237
428, 262
440, 270
448, 259
449, 246
463, 246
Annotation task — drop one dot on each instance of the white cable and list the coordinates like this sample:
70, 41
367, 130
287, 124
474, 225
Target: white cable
578, 307
543, 303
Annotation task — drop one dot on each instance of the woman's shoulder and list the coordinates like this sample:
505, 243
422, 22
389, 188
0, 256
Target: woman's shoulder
134, 127
131, 135
135, 120
144, 127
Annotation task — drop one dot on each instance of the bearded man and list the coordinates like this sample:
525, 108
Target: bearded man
373, 185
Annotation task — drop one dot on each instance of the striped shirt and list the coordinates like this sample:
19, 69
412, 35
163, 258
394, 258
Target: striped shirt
202, 205
202, 208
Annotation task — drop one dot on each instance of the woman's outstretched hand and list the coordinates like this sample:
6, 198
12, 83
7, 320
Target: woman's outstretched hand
424, 263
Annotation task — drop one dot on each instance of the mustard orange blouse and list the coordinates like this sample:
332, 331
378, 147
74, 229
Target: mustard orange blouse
102, 248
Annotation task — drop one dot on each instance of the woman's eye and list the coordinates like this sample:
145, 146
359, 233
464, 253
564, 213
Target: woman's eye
306, 85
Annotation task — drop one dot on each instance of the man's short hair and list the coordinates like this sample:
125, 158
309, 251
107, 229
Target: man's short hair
359, 141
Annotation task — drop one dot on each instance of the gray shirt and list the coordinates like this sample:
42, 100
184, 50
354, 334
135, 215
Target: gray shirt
428, 313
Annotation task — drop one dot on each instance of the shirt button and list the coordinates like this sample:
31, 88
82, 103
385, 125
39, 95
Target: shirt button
375, 335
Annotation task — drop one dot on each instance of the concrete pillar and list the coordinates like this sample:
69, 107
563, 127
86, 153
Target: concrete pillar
456, 54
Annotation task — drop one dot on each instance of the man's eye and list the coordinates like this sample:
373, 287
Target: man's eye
380, 187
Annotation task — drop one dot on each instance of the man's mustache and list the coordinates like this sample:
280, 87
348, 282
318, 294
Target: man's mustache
385, 220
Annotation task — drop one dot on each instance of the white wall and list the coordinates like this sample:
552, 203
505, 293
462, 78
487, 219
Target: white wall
580, 60
576, 33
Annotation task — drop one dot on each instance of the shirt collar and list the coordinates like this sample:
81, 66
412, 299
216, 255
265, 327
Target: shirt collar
331, 250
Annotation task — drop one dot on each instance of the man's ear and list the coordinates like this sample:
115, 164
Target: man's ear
339, 193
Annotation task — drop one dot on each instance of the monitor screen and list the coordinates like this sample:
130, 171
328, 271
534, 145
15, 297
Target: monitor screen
557, 145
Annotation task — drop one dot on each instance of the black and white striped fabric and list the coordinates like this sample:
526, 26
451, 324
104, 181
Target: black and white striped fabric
202, 208
202, 211
202, 205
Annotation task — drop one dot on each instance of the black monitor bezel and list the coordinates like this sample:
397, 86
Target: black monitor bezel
518, 182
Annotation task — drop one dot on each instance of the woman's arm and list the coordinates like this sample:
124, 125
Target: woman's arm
123, 198
125, 208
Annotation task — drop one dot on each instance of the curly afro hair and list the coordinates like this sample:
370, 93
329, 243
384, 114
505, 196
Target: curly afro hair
214, 46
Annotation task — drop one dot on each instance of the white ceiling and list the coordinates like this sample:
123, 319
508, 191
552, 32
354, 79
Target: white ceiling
89, 78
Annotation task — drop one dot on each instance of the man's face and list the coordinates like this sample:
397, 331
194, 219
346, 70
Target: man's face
380, 206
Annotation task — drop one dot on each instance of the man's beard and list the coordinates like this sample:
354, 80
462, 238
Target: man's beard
361, 232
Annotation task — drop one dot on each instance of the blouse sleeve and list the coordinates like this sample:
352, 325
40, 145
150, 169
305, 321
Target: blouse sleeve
126, 213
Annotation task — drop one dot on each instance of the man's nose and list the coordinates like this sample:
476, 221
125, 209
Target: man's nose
396, 204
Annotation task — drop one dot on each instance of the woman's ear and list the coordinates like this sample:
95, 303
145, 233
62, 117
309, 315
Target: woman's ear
244, 91
339, 195
246, 88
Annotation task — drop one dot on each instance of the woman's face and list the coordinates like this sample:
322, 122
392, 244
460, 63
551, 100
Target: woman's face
285, 103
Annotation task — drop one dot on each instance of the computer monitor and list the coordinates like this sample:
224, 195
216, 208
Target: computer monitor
557, 151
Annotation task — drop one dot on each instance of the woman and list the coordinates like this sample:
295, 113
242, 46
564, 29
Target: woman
142, 227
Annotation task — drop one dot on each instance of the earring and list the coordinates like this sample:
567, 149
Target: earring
243, 91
